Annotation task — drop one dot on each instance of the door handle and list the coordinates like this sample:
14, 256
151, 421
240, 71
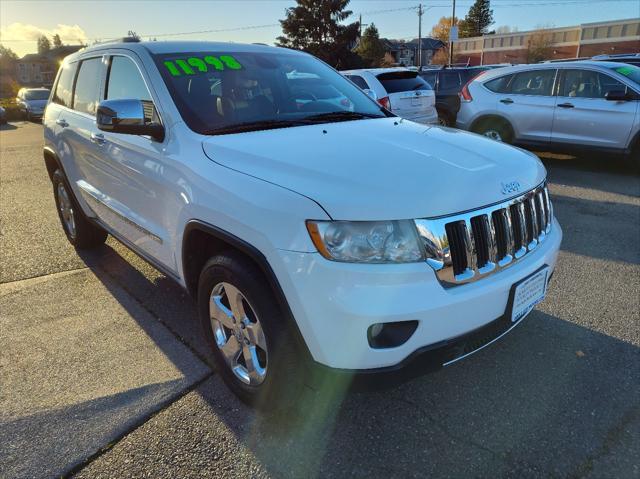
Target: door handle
98, 138
566, 105
506, 101
62, 122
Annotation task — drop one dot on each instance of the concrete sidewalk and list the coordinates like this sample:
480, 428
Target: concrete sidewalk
81, 364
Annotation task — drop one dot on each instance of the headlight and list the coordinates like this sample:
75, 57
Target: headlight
367, 241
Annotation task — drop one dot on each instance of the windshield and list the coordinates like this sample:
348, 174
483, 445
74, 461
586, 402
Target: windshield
630, 71
230, 92
399, 81
36, 95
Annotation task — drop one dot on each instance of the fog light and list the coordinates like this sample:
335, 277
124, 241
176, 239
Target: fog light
390, 335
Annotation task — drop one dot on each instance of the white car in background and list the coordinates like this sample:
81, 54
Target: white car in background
582, 105
400, 90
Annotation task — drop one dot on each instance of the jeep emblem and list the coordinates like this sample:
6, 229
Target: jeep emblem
510, 187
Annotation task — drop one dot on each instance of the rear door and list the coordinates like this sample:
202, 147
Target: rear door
528, 103
409, 95
584, 117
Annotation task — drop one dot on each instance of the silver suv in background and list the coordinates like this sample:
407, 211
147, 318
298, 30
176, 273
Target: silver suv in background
32, 102
592, 105
400, 90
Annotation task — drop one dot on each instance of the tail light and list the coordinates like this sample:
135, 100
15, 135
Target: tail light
385, 102
464, 93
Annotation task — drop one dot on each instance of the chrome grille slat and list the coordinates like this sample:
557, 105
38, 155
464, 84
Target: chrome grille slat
473, 245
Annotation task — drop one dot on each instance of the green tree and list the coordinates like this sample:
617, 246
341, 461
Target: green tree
478, 20
44, 45
539, 46
57, 41
314, 26
371, 48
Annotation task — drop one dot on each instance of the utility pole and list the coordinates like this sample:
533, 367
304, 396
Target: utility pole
453, 22
420, 12
360, 24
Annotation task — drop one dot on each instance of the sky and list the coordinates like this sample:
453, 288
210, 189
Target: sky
22, 21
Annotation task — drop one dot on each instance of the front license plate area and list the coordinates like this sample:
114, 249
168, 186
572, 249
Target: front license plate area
528, 293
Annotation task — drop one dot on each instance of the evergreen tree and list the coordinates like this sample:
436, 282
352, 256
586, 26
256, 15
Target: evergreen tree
314, 26
57, 41
478, 20
371, 48
44, 45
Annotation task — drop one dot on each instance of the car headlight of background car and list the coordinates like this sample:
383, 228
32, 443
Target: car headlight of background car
367, 241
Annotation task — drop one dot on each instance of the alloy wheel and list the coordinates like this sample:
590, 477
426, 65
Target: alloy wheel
66, 210
238, 334
493, 134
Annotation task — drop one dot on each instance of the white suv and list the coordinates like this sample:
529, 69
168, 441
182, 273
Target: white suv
308, 234
584, 105
400, 90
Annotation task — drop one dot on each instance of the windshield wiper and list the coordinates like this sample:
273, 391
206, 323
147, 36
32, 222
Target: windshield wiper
254, 126
342, 115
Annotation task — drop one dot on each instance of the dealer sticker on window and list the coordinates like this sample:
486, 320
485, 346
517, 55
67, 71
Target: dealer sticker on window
528, 294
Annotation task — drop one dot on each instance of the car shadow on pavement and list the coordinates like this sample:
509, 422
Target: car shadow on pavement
8, 126
547, 400
552, 398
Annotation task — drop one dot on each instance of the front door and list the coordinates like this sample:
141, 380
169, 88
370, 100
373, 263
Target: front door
584, 117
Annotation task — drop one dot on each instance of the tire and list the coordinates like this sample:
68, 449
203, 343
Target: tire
80, 231
444, 119
634, 158
496, 129
277, 382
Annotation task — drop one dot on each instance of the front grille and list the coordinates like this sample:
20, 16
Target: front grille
472, 245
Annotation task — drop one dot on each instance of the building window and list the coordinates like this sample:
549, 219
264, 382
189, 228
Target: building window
601, 32
588, 33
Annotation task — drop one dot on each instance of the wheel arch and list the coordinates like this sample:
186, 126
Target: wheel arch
51, 161
494, 117
201, 241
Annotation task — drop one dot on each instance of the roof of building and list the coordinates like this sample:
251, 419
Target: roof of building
53, 54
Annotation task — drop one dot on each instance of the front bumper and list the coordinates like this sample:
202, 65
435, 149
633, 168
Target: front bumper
334, 304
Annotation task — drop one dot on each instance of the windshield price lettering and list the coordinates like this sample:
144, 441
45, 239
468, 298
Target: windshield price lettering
193, 65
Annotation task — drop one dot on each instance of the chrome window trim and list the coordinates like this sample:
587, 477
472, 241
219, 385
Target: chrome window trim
434, 238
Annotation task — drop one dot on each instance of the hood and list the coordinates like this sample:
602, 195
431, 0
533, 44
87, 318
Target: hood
36, 104
381, 168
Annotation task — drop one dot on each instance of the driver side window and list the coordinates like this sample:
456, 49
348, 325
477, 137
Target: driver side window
124, 82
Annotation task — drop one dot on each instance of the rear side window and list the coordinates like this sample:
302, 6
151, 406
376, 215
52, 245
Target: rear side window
125, 81
500, 84
87, 91
430, 78
395, 82
534, 82
450, 81
358, 80
64, 87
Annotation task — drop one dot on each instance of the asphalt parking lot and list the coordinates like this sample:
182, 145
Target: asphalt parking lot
103, 372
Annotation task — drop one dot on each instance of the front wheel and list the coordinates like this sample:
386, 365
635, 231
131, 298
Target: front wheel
252, 341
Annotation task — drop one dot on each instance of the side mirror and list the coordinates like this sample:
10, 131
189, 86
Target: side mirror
371, 93
616, 95
126, 116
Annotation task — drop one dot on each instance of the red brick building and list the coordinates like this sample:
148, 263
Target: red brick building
587, 40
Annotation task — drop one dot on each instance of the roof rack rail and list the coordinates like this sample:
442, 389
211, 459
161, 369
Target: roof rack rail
128, 39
